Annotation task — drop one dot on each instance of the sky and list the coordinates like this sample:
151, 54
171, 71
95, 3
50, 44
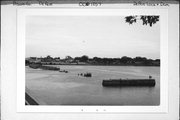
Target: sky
101, 36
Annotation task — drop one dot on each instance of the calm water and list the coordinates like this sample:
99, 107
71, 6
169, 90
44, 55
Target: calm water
56, 88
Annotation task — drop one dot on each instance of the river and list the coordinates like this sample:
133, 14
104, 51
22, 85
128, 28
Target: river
58, 88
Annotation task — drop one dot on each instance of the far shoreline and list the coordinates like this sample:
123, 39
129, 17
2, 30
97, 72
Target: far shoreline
102, 65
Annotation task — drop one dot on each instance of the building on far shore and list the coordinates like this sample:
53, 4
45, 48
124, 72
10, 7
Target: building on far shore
33, 59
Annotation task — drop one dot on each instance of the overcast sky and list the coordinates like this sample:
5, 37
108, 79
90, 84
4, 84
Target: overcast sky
100, 36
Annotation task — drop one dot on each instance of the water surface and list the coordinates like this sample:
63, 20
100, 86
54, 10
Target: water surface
56, 88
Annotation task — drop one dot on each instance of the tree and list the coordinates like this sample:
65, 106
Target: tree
84, 58
97, 59
146, 19
48, 56
77, 58
126, 59
68, 58
27, 62
140, 59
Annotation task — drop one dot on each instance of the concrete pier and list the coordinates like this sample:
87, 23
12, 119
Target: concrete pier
128, 82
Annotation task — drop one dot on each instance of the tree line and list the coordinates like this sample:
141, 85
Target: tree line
137, 61
119, 61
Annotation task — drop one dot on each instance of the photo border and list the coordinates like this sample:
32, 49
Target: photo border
23, 12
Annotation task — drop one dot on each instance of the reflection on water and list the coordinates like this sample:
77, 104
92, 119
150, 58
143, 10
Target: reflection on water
56, 88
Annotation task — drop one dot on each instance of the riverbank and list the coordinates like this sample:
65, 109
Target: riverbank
30, 100
40, 66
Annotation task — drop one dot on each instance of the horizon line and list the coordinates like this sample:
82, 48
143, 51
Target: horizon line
90, 57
